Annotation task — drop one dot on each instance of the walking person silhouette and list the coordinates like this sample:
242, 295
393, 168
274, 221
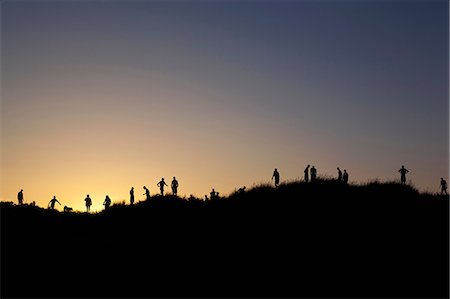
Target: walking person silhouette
52, 202
88, 201
147, 193
107, 202
345, 176
174, 186
161, 185
443, 186
276, 175
403, 171
20, 197
313, 173
132, 196
306, 171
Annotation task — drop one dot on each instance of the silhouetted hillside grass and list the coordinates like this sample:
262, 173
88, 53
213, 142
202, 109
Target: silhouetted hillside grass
320, 239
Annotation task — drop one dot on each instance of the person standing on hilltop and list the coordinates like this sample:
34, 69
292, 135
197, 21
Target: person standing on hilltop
20, 197
313, 173
345, 176
107, 202
306, 171
276, 175
174, 186
52, 202
132, 196
213, 194
161, 185
88, 201
403, 171
339, 178
443, 186
147, 193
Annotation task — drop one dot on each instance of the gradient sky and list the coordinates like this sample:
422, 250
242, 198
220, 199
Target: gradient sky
99, 96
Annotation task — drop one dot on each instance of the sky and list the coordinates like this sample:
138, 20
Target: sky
99, 96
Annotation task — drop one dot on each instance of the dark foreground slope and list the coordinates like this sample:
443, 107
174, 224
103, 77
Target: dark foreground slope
302, 240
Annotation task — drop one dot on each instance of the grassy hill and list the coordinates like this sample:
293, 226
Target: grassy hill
321, 239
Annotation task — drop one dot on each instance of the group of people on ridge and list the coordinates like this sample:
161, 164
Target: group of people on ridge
309, 174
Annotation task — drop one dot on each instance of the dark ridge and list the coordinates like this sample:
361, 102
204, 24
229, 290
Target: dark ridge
314, 240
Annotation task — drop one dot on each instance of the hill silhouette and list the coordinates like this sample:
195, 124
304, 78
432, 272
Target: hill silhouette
318, 239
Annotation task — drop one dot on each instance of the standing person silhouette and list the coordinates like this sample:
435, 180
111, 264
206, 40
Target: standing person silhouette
20, 197
132, 196
339, 178
161, 185
345, 177
306, 171
313, 173
147, 193
213, 194
107, 202
174, 186
403, 171
276, 175
443, 186
52, 202
88, 201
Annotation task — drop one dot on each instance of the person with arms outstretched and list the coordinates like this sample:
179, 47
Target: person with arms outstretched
276, 176
147, 193
161, 185
132, 196
403, 171
345, 176
306, 171
88, 201
174, 186
20, 197
52, 202
107, 202
443, 186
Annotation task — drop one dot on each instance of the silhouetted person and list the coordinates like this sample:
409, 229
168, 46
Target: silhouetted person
276, 175
88, 201
339, 178
213, 194
206, 197
241, 190
306, 171
313, 173
403, 171
20, 197
52, 202
443, 186
161, 185
147, 193
107, 202
174, 186
345, 177
132, 196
